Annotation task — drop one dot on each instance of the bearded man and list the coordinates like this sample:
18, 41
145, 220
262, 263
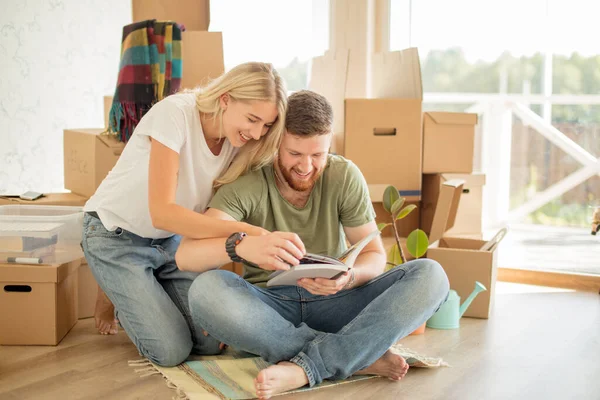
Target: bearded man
307, 200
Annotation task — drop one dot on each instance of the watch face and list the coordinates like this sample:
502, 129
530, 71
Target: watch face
239, 236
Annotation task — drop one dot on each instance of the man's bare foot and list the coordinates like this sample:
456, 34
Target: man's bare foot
390, 365
105, 315
279, 378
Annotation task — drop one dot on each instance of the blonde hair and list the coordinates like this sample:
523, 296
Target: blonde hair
253, 81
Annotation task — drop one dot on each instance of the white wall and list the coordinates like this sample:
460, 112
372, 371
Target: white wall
58, 58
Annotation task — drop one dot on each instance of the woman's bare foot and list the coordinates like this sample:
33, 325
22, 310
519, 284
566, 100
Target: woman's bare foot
279, 378
105, 315
390, 365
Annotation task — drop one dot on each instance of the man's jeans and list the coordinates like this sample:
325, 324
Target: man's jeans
330, 337
149, 292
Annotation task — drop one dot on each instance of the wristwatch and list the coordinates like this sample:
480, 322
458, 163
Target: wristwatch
230, 244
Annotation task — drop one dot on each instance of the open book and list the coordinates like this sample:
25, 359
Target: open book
320, 266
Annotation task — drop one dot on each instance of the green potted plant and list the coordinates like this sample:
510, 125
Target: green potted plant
417, 241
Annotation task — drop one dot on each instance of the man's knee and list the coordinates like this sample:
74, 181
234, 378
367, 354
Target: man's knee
208, 286
437, 278
432, 277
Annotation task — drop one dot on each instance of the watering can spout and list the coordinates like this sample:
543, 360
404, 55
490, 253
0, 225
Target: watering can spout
478, 288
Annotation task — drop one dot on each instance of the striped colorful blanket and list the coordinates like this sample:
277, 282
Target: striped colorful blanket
150, 69
231, 375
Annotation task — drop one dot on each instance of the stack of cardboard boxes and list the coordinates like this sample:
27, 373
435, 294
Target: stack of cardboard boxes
394, 143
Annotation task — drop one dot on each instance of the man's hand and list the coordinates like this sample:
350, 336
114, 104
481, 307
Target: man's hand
324, 286
273, 251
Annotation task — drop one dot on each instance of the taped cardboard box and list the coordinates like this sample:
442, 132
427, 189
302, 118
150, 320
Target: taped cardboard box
464, 260
383, 135
469, 214
38, 303
49, 199
448, 140
194, 14
87, 291
202, 55
88, 158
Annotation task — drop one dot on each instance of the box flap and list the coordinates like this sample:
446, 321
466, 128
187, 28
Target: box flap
452, 118
328, 76
471, 180
112, 143
396, 74
445, 211
23, 273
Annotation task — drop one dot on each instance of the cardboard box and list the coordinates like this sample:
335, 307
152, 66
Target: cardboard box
202, 54
383, 138
383, 135
38, 303
462, 259
88, 158
234, 267
107, 106
469, 215
328, 77
49, 199
448, 140
87, 291
194, 14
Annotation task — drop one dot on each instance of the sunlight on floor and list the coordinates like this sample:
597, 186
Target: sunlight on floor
511, 288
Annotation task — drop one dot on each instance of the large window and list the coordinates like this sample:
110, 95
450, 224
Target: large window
285, 33
524, 49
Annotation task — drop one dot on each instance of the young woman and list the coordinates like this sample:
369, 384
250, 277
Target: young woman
185, 146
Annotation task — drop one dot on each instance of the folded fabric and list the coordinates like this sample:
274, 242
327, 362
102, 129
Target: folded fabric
150, 69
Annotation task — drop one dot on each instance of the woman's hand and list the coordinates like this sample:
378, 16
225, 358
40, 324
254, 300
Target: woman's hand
272, 251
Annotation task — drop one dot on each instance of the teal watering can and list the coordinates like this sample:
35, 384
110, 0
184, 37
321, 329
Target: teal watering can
448, 316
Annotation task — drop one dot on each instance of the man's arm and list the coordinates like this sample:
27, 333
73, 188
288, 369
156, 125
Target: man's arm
369, 264
271, 251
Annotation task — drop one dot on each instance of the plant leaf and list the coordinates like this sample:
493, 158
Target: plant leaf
390, 195
397, 205
417, 243
394, 256
406, 210
382, 225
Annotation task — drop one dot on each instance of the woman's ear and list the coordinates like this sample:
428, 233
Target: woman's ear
224, 101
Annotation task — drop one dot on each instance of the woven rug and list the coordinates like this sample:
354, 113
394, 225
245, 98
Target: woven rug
231, 375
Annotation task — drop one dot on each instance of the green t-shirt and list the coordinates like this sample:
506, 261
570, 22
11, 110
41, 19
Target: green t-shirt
340, 198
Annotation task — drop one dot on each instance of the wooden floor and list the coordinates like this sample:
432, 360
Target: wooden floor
540, 345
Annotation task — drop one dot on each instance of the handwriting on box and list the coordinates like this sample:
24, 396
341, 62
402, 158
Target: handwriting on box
77, 163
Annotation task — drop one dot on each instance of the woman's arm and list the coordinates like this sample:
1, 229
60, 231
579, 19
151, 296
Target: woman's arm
273, 251
167, 215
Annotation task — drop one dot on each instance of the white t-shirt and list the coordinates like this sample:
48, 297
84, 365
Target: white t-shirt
122, 198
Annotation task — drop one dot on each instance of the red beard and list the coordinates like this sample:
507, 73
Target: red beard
299, 185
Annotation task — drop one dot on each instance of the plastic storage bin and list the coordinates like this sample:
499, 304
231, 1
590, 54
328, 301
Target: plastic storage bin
40, 234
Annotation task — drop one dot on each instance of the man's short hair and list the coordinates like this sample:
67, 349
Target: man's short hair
308, 114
